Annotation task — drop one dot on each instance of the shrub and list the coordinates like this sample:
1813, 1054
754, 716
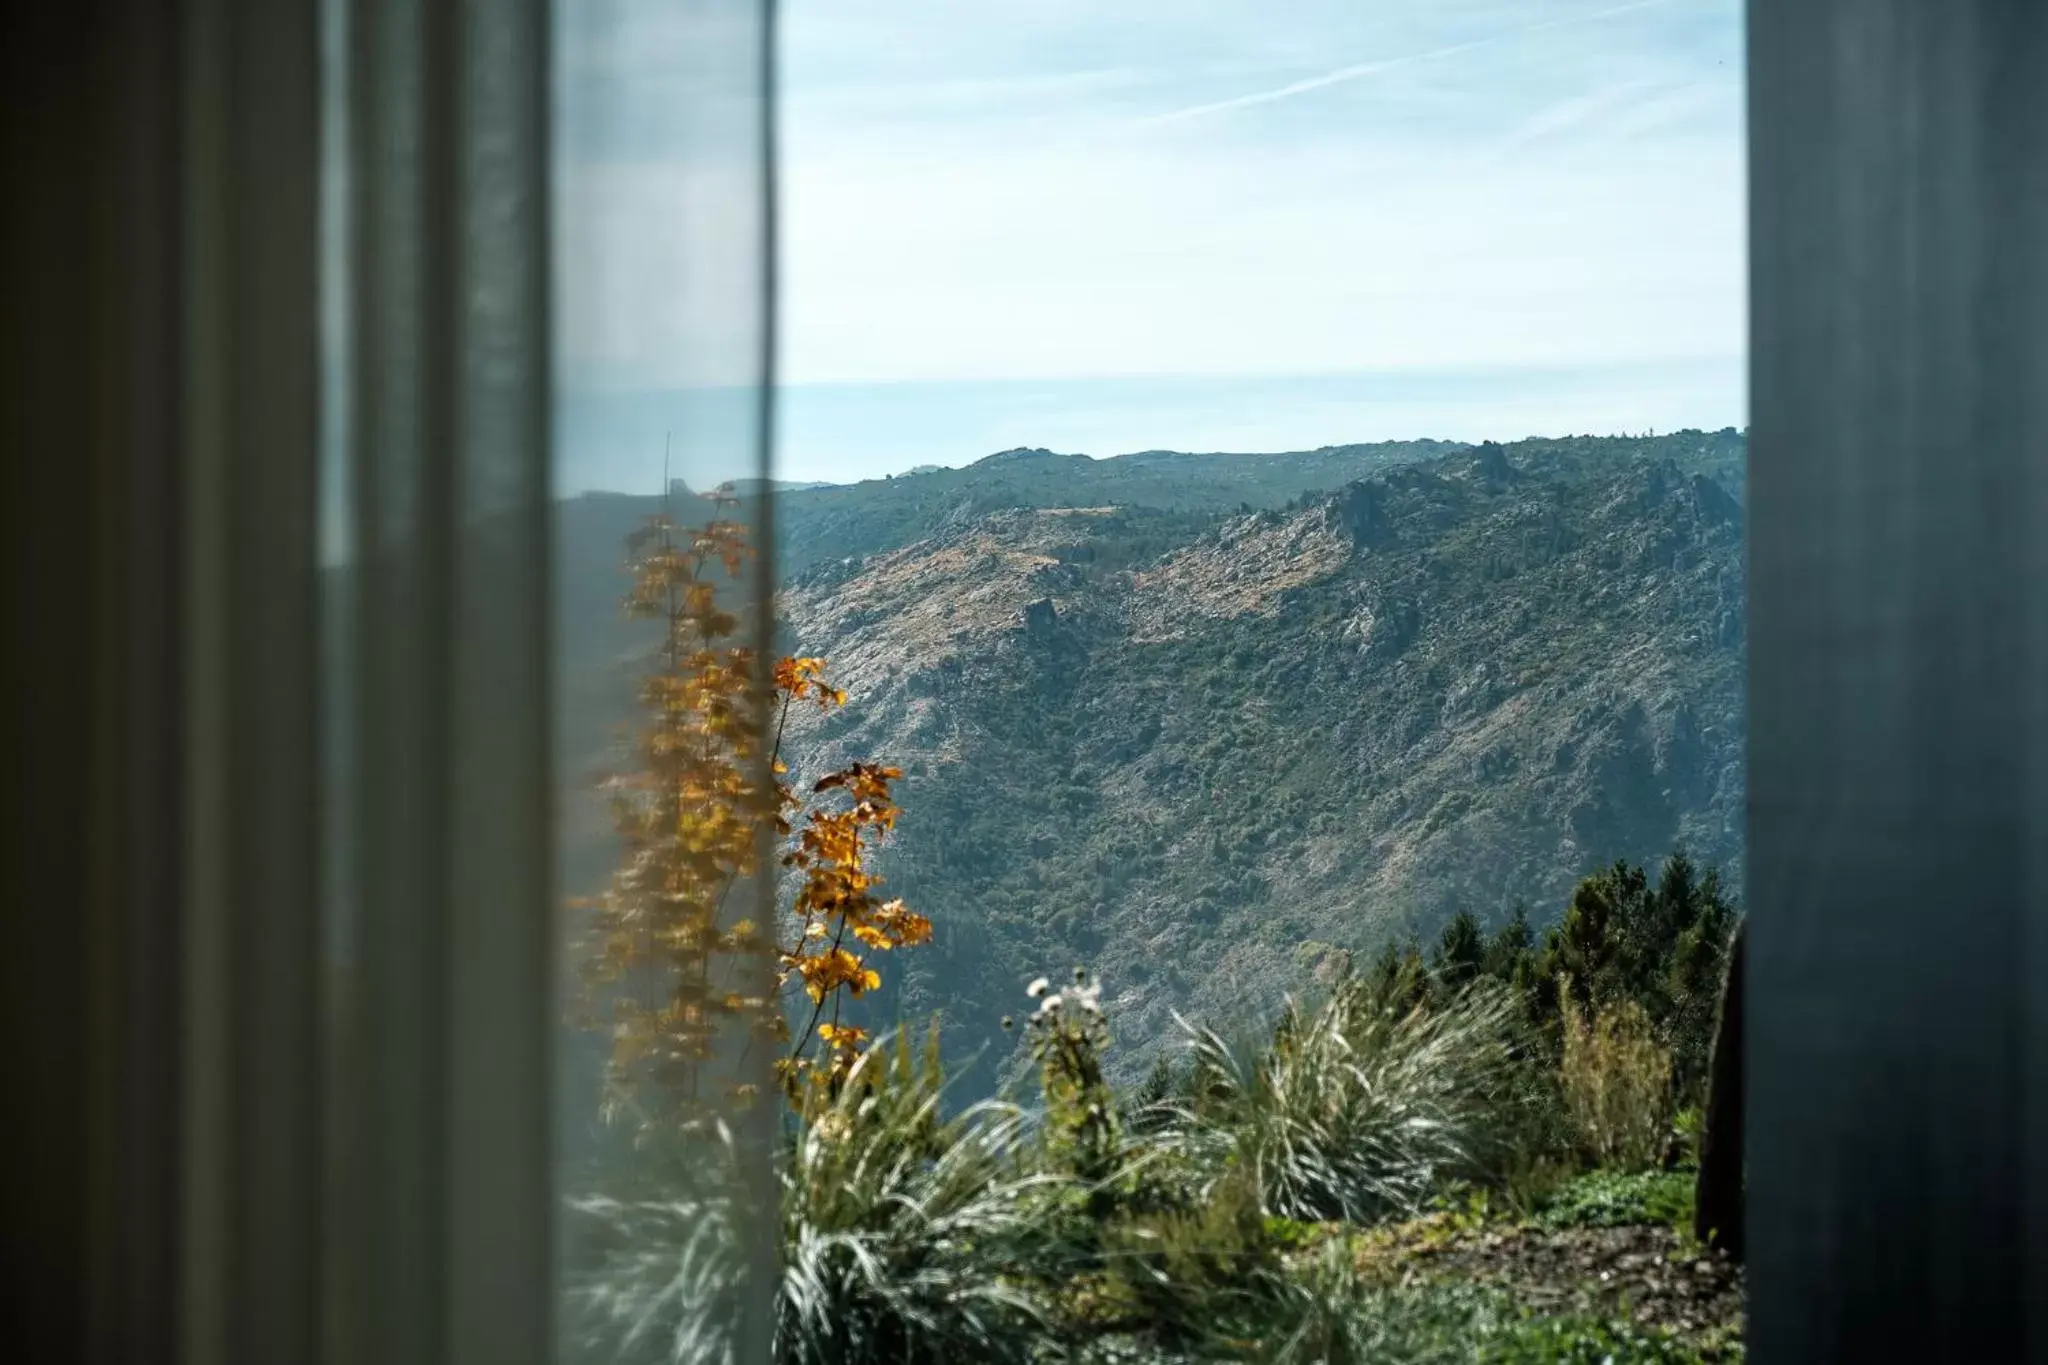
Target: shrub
1067, 1035
1601, 1199
1179, 1272
1616, 1080
1357, 1109
907, 1236
903, 1231
1329, 1315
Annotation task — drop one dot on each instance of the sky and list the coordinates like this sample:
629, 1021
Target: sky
1180, 224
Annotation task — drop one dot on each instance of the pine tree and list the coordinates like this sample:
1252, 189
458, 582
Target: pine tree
1694, 970
1661, 947
1400, 978
1460, 952
1510, 952
1592, 942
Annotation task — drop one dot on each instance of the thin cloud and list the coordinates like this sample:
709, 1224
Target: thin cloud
1600, 106
910, 99
1360, 70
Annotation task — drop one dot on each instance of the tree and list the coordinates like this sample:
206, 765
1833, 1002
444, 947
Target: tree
707, 774
1400, 977
1510, 956
1661, 946
1460, 952
1590, 942
1511, 959
1695, 968
1162, 1083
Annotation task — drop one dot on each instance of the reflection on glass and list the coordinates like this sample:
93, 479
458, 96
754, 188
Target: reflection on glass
667, 1112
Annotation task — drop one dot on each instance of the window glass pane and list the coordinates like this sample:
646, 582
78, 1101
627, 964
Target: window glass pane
1260, 538
665, 1082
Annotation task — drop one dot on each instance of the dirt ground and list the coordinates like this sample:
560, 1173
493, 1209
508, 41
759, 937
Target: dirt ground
1650, 1274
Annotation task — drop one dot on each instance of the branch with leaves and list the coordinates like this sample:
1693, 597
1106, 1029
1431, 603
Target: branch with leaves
706, 774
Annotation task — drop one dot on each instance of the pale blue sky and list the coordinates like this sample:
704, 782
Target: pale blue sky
1216, 224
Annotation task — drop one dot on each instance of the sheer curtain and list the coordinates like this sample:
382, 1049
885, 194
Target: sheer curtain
295, 292
541, 211
436, 705
663, 192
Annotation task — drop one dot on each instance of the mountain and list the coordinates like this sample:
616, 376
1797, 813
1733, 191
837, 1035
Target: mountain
1200, 722
743, 487
827, 524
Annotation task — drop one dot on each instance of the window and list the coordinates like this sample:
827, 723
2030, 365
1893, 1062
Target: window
1240, 818
368, 998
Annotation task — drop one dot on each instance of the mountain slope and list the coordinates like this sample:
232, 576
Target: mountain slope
1198, 750
1199, 747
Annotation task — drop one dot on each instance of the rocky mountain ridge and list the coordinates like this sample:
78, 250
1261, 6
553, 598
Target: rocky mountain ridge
1201, 750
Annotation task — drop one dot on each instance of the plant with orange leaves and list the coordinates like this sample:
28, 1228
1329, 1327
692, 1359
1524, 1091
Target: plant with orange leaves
707, 776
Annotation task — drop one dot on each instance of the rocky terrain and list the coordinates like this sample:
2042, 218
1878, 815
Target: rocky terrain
1201, 724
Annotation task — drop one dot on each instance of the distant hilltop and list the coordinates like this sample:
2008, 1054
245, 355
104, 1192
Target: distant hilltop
746, 487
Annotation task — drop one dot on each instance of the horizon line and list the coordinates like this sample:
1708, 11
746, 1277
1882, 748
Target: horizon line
795, 485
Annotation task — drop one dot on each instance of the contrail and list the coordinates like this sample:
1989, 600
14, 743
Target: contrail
1362, 69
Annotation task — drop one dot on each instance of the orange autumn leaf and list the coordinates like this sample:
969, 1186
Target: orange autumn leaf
708, 771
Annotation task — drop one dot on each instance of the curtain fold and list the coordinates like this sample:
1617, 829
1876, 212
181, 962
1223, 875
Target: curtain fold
292, 292
291, 289
439, 934
93, 831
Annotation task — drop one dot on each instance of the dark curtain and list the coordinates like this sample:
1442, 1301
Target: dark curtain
1898, 962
